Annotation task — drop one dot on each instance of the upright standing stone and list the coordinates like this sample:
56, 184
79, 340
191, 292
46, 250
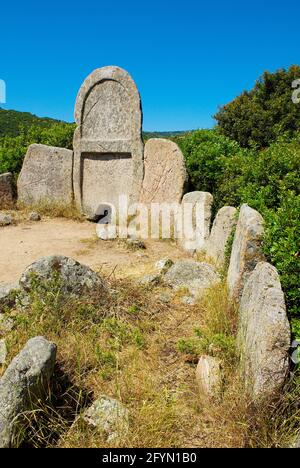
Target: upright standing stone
263, 333
165, 172
108, 146
209, 376
46, 176
196, 217
222, 227
246, 250
7, 191
25, 379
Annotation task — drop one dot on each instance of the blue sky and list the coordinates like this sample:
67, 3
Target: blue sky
187, 57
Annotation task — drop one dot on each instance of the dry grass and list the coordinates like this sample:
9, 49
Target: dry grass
51, 210
132, 346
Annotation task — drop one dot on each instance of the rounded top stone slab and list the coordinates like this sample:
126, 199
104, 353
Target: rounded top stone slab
108, 145
109, 73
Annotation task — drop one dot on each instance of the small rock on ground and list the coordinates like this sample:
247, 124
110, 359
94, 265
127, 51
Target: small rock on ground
75, 277
165, 298
8, 295
5, 220
6, 324
34, 216
150, 280
110, 416
192, 275
163, 265
188, 300
135, 244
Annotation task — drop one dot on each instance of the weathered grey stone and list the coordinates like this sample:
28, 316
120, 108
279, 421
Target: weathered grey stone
163, 265
222, 227
6, 324
34, 216
7, 190
8, 295
106, 231
246, 250
165, 176
196, 216
188, 300
108, 146
165, 298
3, 352
75, 278
263, 332
150, 280
5, 220
209, 376
46, 176
110, 416
25, 379
196, 277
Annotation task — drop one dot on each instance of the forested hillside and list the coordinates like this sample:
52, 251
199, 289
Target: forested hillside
12, 122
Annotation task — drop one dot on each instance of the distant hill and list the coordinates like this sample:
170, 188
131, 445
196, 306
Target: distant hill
11, 122
148, 135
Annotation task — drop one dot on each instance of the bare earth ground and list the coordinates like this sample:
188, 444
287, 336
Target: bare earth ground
22, 244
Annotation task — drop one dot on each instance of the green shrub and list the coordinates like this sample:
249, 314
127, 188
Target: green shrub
268, 180
205, 152
282, 246
258, 117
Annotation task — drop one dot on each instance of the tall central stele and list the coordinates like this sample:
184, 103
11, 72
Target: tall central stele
108, 145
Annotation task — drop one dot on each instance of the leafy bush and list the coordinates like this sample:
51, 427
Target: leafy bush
260, 116
268, 180
282, 246
205, 152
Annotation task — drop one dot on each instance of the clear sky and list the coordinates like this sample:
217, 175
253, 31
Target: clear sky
187, 57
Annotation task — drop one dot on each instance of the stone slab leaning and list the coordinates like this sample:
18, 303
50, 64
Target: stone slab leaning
263, 333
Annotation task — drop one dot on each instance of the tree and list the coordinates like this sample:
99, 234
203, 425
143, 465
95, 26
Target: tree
258, 117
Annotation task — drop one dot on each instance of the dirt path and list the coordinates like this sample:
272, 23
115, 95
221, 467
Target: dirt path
25, 242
